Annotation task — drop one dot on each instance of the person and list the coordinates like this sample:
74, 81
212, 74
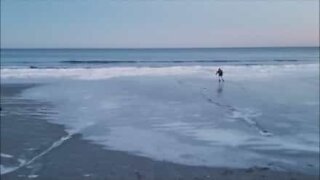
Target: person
220, 74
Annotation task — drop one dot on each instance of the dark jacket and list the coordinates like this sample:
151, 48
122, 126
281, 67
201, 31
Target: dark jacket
219, 72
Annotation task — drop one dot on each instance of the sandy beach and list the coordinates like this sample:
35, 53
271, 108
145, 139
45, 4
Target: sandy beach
27, 135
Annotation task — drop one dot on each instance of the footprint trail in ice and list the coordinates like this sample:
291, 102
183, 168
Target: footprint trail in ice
246, 115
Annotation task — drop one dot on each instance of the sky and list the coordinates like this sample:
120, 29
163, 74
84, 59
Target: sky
158, 23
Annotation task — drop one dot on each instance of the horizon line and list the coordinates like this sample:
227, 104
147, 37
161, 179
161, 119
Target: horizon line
115, 48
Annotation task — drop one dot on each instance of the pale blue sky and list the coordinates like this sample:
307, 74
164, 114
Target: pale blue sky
158, 23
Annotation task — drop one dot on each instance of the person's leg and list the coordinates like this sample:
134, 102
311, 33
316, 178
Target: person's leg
220, 78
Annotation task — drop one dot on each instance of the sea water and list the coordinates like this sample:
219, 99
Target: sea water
167, 104
70, 58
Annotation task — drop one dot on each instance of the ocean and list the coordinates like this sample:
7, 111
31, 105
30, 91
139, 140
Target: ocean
70, 58
168, 105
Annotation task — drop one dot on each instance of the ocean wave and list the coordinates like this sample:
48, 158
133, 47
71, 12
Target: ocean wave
172, 61
112, 72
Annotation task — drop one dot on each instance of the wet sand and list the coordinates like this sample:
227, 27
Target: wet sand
25, 134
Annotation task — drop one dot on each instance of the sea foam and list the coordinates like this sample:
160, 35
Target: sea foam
112, 72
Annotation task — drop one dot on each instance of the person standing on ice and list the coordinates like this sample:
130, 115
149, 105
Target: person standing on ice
220, 74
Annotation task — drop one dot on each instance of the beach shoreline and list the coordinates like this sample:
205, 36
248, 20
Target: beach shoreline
77, 158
